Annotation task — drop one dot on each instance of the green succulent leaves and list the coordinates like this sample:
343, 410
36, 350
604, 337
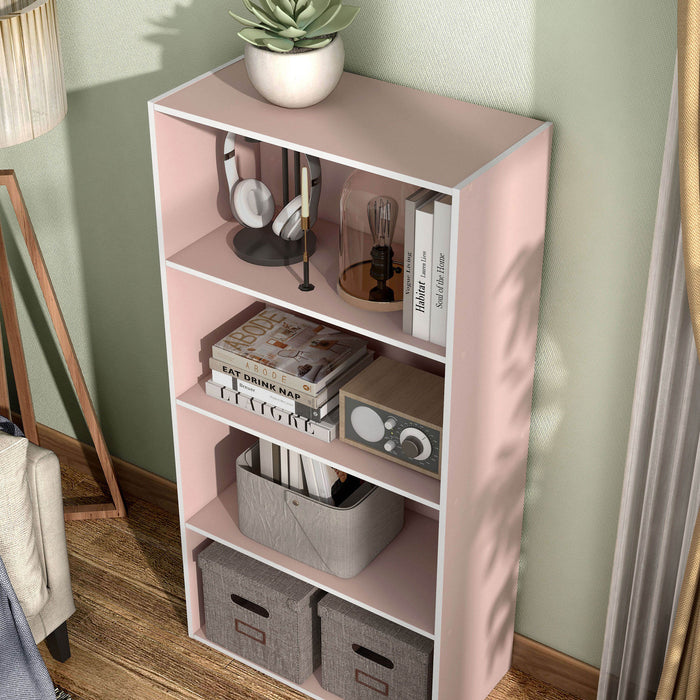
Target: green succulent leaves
281, 25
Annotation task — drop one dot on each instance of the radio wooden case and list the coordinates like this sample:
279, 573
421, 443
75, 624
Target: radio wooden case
395, 411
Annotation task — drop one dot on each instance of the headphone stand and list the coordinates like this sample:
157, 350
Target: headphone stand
261, 246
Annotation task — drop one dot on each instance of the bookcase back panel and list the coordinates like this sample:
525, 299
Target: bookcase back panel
207, 453
192, 201
200, 314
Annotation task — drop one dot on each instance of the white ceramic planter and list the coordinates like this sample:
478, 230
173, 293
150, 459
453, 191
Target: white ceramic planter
296, 79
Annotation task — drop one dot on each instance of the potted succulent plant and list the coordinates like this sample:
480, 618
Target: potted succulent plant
294, 55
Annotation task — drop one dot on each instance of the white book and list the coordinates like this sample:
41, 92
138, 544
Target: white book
418, 198
284, 466
267, 460
325, 478
314, 480
442, 219
276, 475
423, 270
296, 476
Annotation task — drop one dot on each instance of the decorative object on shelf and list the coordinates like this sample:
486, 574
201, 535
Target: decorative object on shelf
305, 286
381, 214
372, 242
340, 540
394, 410
267, 239
366, 656
294, 55
260, 613
32, 102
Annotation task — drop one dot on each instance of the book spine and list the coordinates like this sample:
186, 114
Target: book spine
423, 273
326, 429
441, 264
296, 477
283, 402
408, 269
299, 397
282, 380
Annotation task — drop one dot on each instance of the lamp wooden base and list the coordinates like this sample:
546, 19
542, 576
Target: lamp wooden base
115, 508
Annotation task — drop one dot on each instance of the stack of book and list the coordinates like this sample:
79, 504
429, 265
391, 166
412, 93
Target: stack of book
288, 369
304, 474
426, 265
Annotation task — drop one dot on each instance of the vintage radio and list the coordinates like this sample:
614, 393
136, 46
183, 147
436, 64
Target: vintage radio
395, 410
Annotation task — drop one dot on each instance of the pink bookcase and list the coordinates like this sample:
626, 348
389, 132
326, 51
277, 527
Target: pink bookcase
451, 574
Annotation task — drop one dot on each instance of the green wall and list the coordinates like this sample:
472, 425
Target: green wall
600, 71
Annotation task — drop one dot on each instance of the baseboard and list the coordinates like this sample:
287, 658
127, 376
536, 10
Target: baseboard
134, 481
540, 661
554, 667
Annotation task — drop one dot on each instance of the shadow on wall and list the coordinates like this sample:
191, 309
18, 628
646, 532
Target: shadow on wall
114, 203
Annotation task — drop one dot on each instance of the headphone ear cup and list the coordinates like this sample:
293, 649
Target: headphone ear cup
292, 230
252, 203
287, 225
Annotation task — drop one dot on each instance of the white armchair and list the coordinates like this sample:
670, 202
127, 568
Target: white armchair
33, 539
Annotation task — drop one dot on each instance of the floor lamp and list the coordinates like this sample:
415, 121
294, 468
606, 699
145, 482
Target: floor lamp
32, 102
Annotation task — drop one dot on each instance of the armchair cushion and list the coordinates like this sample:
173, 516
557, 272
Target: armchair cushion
19, 540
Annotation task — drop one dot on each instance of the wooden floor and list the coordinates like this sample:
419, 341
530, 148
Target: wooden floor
129, 634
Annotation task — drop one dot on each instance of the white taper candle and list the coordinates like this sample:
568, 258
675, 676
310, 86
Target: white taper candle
305, 193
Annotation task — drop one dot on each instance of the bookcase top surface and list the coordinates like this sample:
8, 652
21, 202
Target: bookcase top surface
389, 129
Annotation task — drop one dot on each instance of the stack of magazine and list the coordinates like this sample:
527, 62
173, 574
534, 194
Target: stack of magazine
304, 474
288, 369
426, 265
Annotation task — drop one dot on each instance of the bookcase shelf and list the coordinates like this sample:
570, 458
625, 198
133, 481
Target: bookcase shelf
389, 475
211, 258
399, 584
451, 574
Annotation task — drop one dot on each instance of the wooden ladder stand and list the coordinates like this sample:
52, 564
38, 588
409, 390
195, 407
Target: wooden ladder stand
114, 508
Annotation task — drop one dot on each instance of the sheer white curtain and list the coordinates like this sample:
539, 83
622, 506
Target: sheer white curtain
661, 489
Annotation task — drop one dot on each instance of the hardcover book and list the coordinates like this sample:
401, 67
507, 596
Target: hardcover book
442, 220
417, 199
423, 270
291, 351
285, 392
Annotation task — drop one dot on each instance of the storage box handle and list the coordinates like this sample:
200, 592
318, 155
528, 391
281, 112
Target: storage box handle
370, 655
250, 605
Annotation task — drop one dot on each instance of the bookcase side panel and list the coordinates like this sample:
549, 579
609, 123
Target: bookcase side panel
489, 378
192, 198
193, 544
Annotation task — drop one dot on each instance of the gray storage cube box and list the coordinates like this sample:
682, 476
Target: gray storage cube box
365, 657
339, 540
260, 613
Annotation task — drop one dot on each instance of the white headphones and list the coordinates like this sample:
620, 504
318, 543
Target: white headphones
252, 203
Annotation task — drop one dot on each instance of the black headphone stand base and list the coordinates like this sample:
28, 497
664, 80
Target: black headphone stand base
262, 246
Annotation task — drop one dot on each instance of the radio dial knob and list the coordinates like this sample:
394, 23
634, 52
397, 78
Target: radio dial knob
411, 447
390, 423
389, 445
415, 444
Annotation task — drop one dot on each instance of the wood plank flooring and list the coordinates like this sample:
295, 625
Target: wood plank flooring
129, 634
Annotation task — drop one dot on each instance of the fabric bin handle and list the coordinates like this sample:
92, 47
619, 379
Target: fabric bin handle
250, 605
370, 655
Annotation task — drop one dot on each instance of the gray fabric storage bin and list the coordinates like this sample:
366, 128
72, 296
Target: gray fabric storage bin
340, 540
260, 613
365, 657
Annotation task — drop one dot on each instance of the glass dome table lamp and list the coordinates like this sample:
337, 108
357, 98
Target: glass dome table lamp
371, 254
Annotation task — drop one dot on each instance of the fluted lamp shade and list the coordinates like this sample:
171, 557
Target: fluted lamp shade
32, 93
